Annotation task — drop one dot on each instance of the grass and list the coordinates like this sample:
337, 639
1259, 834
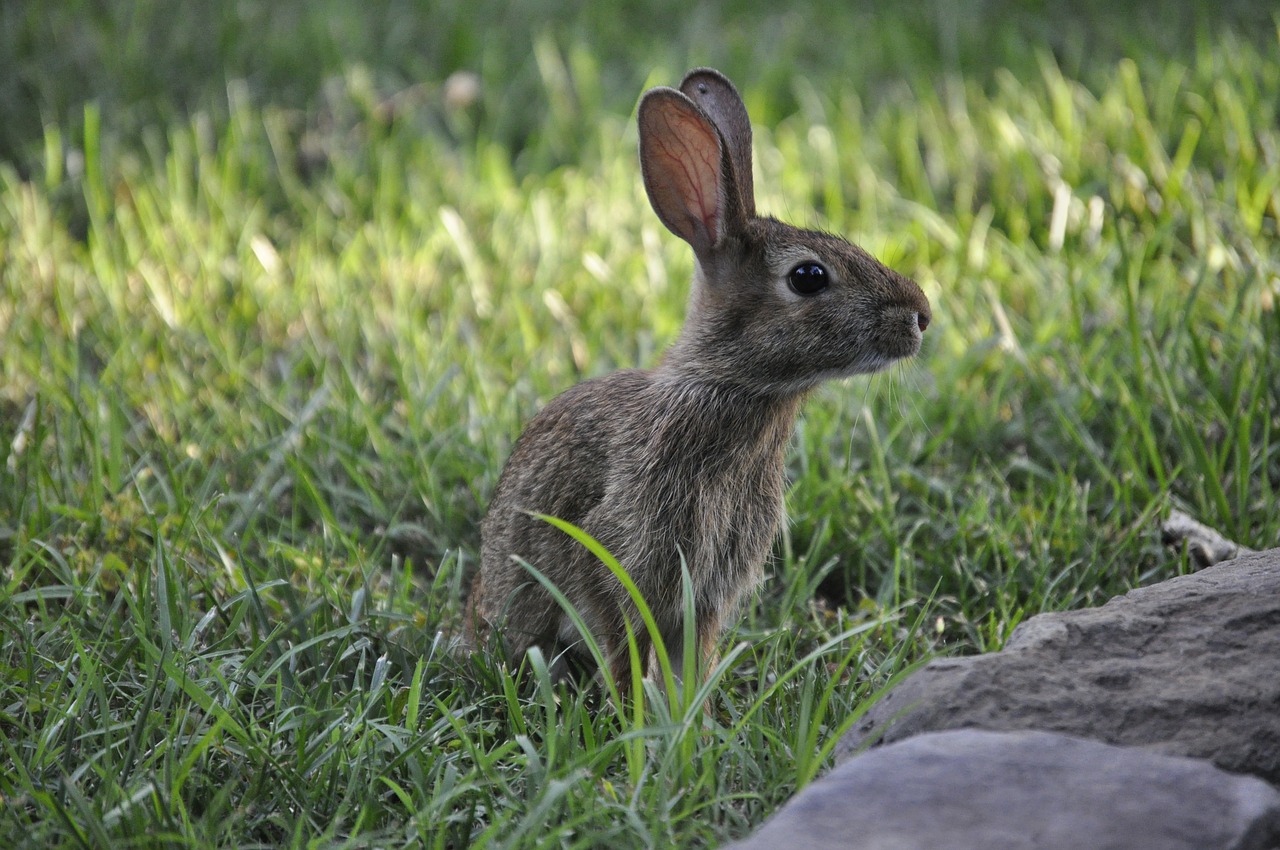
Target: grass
274, 309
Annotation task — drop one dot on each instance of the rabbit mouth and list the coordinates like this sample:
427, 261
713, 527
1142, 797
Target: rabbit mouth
864, 363
882, 353
903, 335
869, 362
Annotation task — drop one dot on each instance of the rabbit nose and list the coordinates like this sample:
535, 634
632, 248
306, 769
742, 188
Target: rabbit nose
922, 319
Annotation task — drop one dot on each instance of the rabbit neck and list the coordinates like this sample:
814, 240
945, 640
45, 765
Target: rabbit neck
728, 412
717, 362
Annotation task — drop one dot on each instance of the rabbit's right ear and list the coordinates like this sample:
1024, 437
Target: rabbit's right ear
688, 170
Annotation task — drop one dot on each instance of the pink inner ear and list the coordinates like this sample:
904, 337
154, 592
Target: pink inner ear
690, 154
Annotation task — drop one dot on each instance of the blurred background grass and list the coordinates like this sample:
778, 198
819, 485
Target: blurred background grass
281, 282
145, 64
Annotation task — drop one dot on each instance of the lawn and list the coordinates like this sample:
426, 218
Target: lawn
281, 282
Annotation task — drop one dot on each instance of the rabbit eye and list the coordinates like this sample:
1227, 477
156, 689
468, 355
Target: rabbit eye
807, 279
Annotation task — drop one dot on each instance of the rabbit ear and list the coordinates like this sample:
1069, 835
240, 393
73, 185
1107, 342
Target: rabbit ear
712, 91
688, 171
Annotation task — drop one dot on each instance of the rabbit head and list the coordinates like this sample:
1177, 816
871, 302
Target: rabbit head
773, 307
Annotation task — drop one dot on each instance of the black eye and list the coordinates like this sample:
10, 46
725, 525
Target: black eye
807, 279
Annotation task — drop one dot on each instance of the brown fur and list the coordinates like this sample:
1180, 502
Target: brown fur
685, 461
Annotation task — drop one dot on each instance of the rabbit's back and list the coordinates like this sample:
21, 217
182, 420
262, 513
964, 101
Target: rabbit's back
558, 467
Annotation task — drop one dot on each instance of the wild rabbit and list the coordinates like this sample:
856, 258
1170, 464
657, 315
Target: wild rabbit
685, 461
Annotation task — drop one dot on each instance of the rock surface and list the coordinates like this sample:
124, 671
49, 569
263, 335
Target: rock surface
980, 790
1190, 666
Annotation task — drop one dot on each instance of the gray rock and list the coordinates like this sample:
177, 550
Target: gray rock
1009, 790
1190, 666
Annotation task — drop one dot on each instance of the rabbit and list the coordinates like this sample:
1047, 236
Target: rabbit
683, 463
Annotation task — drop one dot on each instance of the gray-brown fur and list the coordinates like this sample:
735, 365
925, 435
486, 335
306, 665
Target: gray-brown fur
685, 461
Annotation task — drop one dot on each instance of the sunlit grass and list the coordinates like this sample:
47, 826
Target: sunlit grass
264, 357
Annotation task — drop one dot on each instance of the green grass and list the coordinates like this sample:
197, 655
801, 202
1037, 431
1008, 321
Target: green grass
273, 312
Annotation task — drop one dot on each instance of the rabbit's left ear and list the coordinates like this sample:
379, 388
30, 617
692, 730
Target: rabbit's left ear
712, 91
688, 171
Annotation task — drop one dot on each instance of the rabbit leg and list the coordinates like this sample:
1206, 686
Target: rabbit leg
618, 656
475, 629
708, 631
525, 618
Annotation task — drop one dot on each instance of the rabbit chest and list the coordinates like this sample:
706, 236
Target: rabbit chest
700, 481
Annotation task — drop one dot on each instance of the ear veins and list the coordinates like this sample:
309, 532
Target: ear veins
700, 162
690, 154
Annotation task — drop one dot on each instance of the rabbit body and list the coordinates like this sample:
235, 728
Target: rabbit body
684, 463
656, 471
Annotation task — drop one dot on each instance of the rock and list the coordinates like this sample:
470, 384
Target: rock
1190, 666
971, 789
